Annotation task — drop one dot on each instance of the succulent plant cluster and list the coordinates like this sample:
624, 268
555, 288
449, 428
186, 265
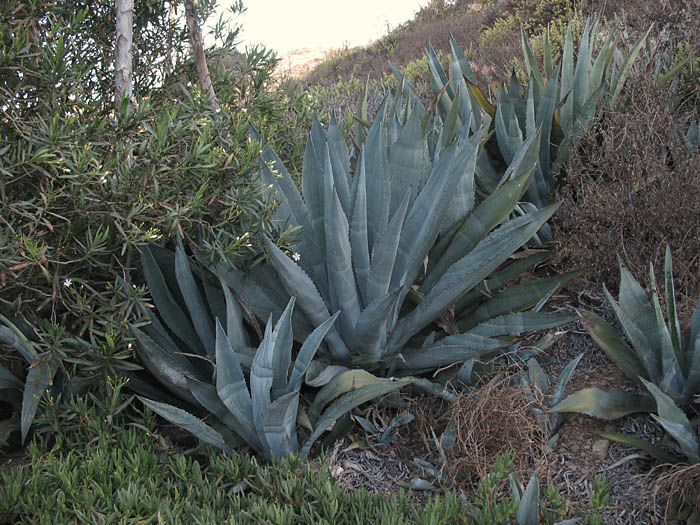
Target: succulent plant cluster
397, 269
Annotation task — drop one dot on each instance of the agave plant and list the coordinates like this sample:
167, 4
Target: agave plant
660, 354
684, 441
553, 105
369, 249
24, 396
254, 395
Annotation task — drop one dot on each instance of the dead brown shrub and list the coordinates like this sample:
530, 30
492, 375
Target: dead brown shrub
488, 422
632, 187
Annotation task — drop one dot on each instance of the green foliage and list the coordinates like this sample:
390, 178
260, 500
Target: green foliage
660, 354
82, 188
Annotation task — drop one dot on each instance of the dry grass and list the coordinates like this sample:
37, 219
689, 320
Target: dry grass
488, 422
682, 484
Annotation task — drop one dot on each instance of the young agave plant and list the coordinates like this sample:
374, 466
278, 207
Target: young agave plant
659, 354
684, 441
266, 414
368, 249
555, 104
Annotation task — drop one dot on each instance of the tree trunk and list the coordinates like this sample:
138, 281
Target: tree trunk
123, 66
198, 54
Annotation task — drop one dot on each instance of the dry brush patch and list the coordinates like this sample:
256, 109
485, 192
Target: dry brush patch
632, 187
487, 422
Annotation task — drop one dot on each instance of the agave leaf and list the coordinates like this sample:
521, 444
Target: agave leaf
13, 336
675, 422
280, 426
497, 280
452, 125
176, 320
692, 383
533, 70
188, 422
341, 281
523, 295
371, 325
486, 216
320, 373
544, 118
170, 369
654, 451
346, 402
208, 397
384, 254
615, 348
481, 99
8, 380
528, 510
230, 383
581, 74
536, 376
359, 240
426, 215
684, 435
601, 63
449, 350
281, 357
377, 178
564, 377
508, 132
312, 182
201, 318
673, 324
254, 294
468, 272
619, 81
518, 323
408, 162
636, 323
39, 377
234, 320
567, 80
298, 283
340, 162
671, 375
605, 405
261, 380
548, 67
458, 55
307, 353
339, 385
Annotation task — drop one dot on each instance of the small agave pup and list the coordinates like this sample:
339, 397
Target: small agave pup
368, 248
660, 355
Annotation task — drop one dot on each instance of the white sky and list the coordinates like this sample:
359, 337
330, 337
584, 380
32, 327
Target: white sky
285, 25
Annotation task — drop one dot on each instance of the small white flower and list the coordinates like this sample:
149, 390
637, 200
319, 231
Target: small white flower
296, 256
129, 346
103, 179
68, 282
